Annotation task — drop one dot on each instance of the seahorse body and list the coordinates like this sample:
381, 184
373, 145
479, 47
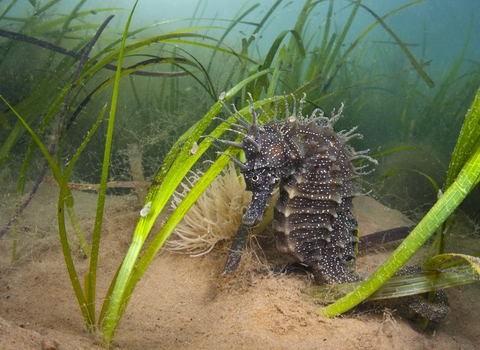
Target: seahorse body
312, 164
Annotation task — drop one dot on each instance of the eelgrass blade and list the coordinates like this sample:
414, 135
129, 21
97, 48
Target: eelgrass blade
45, 27
403, 148
89, 48
174, 219
41, 10
262, 22
317, 65
61, 221
92, 273
65, 197
213, 47
440, 260
260, 84
208, 86
401, 286
7, 8
326, 31
404, 48
291, 59
339, 43
229, 29
56, 106
68, 20
276, 72
467, 141
463, 96
65, 27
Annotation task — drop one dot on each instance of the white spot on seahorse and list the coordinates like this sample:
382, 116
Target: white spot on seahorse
146, 209
222, 96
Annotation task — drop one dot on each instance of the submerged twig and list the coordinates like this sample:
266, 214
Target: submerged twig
383, 237
135, 160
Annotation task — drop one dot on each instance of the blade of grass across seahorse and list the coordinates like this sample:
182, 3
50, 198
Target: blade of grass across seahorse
467, 142
467, 178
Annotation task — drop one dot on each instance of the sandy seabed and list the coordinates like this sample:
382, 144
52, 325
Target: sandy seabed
184, 303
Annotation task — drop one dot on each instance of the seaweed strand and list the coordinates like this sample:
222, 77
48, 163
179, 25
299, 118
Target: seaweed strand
46, 45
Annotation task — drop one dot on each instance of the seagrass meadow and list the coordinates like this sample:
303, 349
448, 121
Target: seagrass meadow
117, 215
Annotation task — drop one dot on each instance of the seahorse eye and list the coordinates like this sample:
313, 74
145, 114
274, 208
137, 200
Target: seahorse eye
255, 178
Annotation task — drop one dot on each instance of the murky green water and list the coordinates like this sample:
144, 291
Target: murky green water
407, 73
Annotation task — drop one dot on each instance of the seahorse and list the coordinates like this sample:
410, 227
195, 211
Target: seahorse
312, 165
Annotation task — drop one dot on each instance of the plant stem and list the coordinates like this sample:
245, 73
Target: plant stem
107, 331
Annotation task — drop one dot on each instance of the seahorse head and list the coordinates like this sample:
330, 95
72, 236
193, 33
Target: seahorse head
262, 170
266, 160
